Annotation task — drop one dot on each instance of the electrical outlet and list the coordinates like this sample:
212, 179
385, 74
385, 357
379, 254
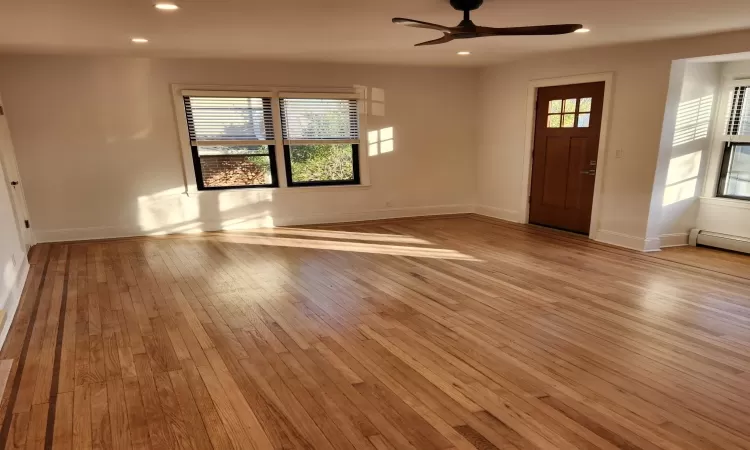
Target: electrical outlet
388, 204
618, 153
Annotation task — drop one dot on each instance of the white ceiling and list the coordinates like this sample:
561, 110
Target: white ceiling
345, 30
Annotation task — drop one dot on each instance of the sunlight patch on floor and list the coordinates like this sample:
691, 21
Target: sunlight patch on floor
332, 234
396, 250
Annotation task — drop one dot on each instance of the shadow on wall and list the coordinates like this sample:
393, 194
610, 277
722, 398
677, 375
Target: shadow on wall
693, 120
682, 178
173, 211
691, 130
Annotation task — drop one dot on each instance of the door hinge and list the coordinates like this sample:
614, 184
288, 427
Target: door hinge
26, 222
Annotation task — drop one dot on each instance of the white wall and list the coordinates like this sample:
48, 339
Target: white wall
736, 69
687, 134
11, 249
98, 149
722, 215
641, 80
726, 216
13, 264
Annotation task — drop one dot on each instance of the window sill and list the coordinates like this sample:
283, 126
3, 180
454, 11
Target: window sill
339, 187
333, 187
730, 202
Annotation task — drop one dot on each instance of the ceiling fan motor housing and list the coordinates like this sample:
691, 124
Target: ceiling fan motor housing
466, 5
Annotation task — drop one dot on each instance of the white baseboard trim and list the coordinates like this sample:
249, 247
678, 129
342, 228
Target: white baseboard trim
497, 213
628, 241
110, 232
390, 213
10, 304
652, 245
84, 234
674, 240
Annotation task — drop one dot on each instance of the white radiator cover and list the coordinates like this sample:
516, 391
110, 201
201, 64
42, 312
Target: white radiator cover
718, 240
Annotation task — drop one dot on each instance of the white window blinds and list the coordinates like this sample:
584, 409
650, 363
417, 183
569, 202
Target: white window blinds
738, 122
239, 120
319, 119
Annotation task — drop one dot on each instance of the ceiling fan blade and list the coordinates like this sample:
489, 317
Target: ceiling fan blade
446, 38
420, 24
541, 30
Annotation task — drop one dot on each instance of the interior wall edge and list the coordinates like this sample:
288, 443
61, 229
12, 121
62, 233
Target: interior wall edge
628, 241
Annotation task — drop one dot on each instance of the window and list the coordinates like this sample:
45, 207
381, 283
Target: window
321, 141
562, 113
237, 139
734, 178
232, 141
739, 112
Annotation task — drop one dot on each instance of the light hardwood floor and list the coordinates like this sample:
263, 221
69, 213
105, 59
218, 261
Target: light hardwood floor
449, 333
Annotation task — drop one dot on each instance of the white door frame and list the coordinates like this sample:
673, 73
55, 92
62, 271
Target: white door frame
9, 172
534, 85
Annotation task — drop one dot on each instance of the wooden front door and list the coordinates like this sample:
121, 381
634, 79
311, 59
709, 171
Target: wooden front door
566, 143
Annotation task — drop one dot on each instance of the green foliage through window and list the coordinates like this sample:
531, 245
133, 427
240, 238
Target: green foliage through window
322, 162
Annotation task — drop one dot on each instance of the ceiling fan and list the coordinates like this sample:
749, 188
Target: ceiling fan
466, 29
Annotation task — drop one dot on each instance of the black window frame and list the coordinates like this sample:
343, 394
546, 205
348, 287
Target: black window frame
356, 179
197, 169
724, 172
200, 184
291, 183
734, 124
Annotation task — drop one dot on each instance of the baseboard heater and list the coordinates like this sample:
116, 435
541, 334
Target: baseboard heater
718, 240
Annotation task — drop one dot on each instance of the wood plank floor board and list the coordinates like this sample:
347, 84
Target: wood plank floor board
172, 412
438, 333
353, 425
160, 434
82, 417
211, 419
193, 420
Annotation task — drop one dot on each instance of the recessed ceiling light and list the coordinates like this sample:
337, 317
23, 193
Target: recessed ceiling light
463, 53
139, 40
165, 6
582, 30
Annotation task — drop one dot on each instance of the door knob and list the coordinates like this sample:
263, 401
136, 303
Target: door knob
588, 172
